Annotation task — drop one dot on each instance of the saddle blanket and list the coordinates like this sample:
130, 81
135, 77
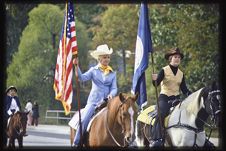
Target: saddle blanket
148, 116
144, 115
73, 123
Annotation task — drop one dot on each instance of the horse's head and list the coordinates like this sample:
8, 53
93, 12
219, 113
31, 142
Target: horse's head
127, 112
213, 103
20, 122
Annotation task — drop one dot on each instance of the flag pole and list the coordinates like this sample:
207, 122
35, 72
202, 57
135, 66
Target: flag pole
156, 95
78, 100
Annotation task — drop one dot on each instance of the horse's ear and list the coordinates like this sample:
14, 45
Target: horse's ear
121, 97
136, 96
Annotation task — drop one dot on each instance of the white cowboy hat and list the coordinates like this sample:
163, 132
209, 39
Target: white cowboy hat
101, 50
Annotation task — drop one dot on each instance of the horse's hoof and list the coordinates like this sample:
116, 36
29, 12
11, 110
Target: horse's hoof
156, 143
25, 135
74, 146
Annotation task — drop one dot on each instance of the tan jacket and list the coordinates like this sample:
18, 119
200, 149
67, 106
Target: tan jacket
170, 85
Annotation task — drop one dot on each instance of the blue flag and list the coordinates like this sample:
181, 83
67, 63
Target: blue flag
143, 48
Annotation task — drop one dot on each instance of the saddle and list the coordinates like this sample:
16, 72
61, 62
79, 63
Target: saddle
74, 122
101, 105
148, 115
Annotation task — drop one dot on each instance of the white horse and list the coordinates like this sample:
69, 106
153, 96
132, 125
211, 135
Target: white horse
185, 125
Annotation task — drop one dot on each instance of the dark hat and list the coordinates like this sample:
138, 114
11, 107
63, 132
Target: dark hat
173, 51
10, 88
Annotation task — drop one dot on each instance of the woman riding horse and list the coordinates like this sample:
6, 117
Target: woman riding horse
185, 126
114, 125
172, 80
104, 85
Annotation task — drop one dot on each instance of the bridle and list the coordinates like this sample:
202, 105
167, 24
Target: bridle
210, 97
213, 112
109, 131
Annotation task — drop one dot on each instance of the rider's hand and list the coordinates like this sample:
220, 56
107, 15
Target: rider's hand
154, 76
75, 61
109, 97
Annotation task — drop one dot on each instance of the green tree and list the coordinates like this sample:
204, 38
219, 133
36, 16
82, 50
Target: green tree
117, 26
191, 27
194, 29
32, 67
16, 21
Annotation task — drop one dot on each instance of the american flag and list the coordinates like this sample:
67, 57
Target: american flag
64, 66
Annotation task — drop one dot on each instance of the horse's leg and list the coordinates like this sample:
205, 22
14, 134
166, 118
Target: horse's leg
20, 141
147, 134
139, 134
13, 142
72, 135
10, 142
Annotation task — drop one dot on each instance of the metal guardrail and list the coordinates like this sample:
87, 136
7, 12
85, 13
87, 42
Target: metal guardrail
55, 115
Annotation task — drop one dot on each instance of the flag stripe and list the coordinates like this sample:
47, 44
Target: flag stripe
64, 66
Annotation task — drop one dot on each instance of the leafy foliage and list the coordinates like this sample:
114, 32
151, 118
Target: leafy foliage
32, 68
16, 21
194, 28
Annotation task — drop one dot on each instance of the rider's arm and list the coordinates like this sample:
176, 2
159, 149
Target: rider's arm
159, 77
85, 76
114, 89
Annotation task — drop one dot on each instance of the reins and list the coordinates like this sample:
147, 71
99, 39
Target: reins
109, 131
196, 130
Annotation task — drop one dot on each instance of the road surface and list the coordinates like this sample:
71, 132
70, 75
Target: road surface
54, 136
42, 136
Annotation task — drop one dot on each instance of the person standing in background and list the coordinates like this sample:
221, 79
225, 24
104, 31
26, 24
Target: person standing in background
28, 108
35, 114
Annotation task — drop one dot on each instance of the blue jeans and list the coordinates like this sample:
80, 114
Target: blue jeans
85, 118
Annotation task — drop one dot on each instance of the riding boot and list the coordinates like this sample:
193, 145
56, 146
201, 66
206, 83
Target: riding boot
157, 136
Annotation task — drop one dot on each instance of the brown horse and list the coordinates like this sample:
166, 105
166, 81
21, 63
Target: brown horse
114, 124
17, 128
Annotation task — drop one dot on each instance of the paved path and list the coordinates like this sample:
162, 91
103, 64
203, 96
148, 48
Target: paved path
47, 136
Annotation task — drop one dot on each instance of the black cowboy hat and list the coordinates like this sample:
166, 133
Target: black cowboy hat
10, 88
173, 51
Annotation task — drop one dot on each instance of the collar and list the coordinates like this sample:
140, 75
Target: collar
105, 69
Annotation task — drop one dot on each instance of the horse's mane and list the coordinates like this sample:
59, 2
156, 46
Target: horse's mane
113, 105
15, 119
102, 110
192, 103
